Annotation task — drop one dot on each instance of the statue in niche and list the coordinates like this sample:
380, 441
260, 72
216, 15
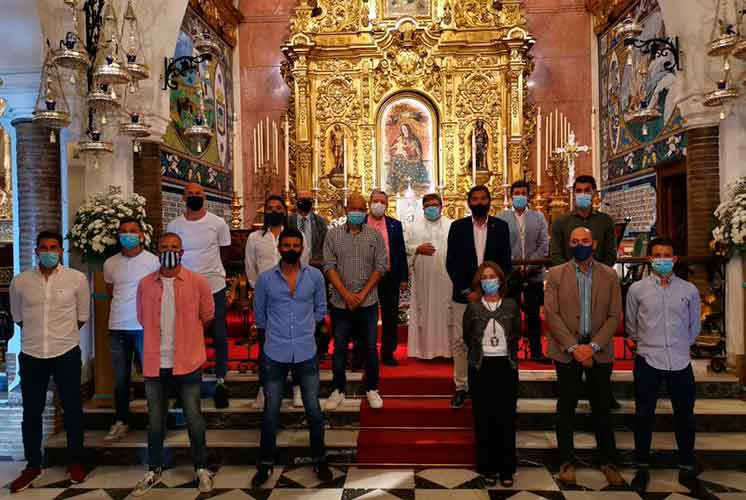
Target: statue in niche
336, 140
482, 142
408, 167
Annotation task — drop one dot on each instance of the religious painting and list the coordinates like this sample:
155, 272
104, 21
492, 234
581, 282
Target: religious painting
407, 145
398, 8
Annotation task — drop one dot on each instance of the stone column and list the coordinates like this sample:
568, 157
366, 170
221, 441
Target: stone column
147, 183
39, 200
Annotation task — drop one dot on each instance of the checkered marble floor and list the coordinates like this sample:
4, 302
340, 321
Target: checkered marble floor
353, 483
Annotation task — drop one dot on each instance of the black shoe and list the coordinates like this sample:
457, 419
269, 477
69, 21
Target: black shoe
489, 478
459, 399
323, 472
688, 478
221, 396
614, 404
640, 481
262, 475
389, 361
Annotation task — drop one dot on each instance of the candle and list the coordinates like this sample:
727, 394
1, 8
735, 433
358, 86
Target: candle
548, 134
505, 158
256, 151
316, 153
556, 130
277, 147
473, 157
344, 160
268, 156
538, 147
287, 154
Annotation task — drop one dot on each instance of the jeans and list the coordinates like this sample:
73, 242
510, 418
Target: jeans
598, 382
530, 296
306, 373
388, 299
219, 333
35, 373
682, 391
157, 390
344, 321
123, 345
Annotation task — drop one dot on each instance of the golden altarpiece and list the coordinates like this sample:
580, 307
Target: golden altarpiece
407, 96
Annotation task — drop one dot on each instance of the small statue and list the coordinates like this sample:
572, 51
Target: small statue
481, 140
338, 152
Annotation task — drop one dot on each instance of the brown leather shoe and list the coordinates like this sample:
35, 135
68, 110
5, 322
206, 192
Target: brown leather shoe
567, 474
612, 475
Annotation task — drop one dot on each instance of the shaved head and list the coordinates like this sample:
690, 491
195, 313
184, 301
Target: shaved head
300, 195
581, 232
193, 189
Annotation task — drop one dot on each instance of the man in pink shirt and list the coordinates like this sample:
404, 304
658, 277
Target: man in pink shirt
174, 307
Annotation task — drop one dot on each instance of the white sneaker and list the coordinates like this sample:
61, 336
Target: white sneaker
204, 476
258, 403
152, 478
117, 432
335, 400
297, 398
374, 399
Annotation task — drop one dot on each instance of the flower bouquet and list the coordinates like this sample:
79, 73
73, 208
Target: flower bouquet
730, 231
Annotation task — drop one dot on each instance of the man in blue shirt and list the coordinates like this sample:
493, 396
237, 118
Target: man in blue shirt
289, 300
662, 317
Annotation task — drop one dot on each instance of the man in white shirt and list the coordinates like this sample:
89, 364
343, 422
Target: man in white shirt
203, 235
50, 303
122, 273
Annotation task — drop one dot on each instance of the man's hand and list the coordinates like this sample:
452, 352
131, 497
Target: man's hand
582, 353
352, 300
425, 249
473, 297
404, 285
587, 363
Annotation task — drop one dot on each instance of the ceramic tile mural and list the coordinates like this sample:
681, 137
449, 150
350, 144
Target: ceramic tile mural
177, 167
635, 199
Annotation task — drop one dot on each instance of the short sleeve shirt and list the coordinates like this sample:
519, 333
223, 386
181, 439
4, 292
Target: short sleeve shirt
125, 273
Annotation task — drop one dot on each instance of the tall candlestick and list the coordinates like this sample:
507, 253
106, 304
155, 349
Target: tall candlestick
256, 150
473, 157
261, 144
548, 151
538, 147
277, 147
316, 156
556, 130
344, 158
287, 155
269, 153
505, 159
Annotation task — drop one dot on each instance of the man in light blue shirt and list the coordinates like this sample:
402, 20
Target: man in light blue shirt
290, 299
662, 317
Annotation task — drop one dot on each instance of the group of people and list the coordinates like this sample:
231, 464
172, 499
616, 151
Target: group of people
468, 299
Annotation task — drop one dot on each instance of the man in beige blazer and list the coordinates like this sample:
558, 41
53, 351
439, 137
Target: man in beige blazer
583, 306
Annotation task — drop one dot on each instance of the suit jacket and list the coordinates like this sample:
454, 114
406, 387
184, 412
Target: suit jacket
562, 310
461, 258
397, 250
537, 238
319, 226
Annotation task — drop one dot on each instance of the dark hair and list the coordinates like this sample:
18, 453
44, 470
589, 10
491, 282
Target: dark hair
172, 235
431, 197
289, 232
476, 189
520, 184
584, 179
284, 207
130, 220
49, 235
476, 284
660, 241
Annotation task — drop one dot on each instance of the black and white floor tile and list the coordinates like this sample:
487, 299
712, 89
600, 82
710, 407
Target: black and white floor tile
353, 483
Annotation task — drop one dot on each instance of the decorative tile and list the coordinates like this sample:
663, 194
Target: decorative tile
661, 480
449, 478
370, 495
239, 476
32, 494
79, 494
601, 495
112, 477
731, 479
232, 495
379, 478
323, 494
531, 478
460, 494
182, 476
305, 477
174, 494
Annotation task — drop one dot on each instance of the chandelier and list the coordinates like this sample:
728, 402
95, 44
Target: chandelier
51, 109
727, 40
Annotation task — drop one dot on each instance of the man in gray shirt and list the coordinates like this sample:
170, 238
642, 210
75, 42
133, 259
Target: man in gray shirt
354, 262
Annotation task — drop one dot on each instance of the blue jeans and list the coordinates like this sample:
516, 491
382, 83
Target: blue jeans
123, 345
306, 373
363, 321
157, 390
219, 333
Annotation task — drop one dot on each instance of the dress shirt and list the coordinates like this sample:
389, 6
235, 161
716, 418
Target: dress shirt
289, 319
585, 282
480, 239
664, 321
304, 226
380, 226
261, 254
521, 223
50, 309
355, 256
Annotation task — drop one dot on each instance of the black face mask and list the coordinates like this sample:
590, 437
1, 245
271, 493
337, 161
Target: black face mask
195, 203
274, 218
290, 256
479, 210
304, 205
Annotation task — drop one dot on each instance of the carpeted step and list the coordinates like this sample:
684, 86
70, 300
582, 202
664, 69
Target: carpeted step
416, 413
442, 447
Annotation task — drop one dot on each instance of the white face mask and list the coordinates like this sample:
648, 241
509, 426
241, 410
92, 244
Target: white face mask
377, 209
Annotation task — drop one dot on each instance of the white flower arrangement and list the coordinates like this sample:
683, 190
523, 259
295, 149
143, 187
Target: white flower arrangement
730, 231
94, 230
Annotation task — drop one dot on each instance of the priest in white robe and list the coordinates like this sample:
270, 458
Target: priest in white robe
431, 324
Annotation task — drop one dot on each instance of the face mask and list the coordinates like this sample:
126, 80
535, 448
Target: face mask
129, 240
195, 203
479, 210
520, 201
582, 252
583, 201
290, 256
304, 205
355, 218
662, 266
377, 209
274, 218
432, 213
170, 259
49, 259
490, 286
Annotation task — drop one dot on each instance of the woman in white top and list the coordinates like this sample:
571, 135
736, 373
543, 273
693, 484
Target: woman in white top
492, 327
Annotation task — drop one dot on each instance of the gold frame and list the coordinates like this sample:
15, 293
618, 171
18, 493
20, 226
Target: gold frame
382, 11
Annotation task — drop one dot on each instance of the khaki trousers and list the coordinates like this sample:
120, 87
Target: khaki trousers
460, 354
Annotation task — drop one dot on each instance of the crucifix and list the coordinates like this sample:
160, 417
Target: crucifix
570, 151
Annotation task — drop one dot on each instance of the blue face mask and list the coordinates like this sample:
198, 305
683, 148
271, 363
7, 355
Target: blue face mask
49, 259
490, 286
432, 213
663, 266
355, 218
520, 201
583, 201
581, 252
129, 240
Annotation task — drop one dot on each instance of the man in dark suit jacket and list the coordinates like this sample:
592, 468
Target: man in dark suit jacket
471, 241
397, 272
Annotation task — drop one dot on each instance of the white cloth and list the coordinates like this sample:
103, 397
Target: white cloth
431, 317
50, 310
521, 222
305, 223
493, 330
168, 316
480, 239
124, 274
261, 254
201, 240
